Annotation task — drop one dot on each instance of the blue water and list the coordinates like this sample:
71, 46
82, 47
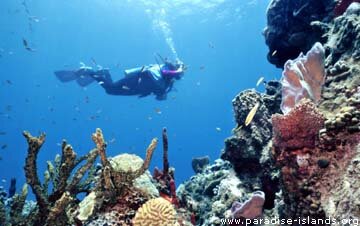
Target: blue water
220, 40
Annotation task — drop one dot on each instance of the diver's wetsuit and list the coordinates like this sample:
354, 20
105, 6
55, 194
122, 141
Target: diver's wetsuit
156, 79
142, 81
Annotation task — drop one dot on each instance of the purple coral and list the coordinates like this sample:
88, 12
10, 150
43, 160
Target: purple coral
251, 208
303, 78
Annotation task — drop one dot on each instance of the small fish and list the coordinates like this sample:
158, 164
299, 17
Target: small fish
3, 180
2, 133
125, 87
158, 111
10, 52
198, 83
149, 118
27, 47
218, 129
99, 111
9, 82
8, 108
112, 140
4, 146
93, 61
238, 128
259, 81
139, 80
273, 53
211, 45
34, 19
93, 117
101, 82
251, 114
58, 144
202, 67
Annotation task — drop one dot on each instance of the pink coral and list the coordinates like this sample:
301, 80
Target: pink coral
303, 78
299, 128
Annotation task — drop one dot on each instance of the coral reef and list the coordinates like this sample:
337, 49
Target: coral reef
244, 148
305, 162
211, 193
317, 147
249, 148
114, 190
294, 26
303, 77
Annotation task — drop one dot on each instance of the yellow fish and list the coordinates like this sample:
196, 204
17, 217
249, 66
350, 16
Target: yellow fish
259, 81
251, 114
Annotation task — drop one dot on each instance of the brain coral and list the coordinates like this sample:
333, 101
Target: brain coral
156, 212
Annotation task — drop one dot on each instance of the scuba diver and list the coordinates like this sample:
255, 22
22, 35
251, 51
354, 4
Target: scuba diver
157, 79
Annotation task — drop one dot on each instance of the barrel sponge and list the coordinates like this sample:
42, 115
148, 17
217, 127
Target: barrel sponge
156, 212
303, 77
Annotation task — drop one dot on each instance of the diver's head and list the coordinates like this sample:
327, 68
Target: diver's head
174, 65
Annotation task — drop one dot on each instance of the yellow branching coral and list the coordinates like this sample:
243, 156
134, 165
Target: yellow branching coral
156, 212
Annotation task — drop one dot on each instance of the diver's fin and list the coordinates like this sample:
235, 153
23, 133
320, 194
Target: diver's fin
66, 76
84, 80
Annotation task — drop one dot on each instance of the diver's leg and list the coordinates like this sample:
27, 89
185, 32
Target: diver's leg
103, 78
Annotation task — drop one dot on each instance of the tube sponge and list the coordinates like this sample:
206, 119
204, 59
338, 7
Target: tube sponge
303, 77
